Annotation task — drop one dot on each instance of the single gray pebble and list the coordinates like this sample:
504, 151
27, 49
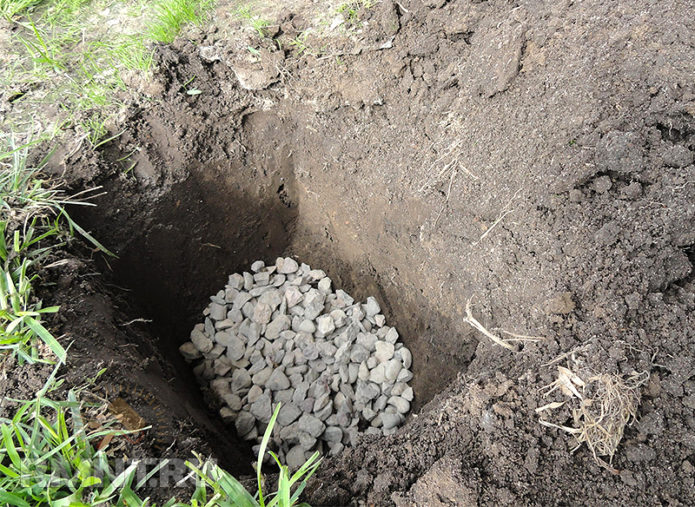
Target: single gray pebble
372, 307
288, 414
284, 396
305, 440
218, 311
333, 434
407, 394
262, 313
325, 412
358, 353
222, 366
402, 405
257, 266
406, 357
262, 376
405, 376
320, 403
324, 325
378, 374
261, 408
390, 420
189, 351
286, 265
306, 326
244, 423
366, 391
363, 372
254, 393
307, 405
325, 285
272, 298
368, 413
201, 341
278, 380
295, 457
235, 348
391, 336
326, 349
336, 449
233, 401
293, 296
380, 403
261, 279
353, 371
383, 351
367, 340
240, 380
235, 281
311, 425
248, 281
392, 369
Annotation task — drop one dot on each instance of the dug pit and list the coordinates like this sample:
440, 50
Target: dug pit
480, 156
193, 224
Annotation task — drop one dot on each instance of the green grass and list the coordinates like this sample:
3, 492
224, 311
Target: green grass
33, 224
10, 8
256, 22
171, 15
219, 488
48, 457
83, 56
351, 10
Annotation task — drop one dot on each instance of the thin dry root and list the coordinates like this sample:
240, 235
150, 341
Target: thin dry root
469, 319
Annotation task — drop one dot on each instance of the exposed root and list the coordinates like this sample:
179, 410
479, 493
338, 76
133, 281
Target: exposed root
469, 319
604, 405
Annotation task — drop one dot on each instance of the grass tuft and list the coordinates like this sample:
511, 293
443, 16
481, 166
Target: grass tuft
47, 456
171, 15
219, 488
33, 223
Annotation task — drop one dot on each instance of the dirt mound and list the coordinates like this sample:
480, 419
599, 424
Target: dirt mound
536, 158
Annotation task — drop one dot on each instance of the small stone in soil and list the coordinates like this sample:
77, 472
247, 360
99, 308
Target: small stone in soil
189, 351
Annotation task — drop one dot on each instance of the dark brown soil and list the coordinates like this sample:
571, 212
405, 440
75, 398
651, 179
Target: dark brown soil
535, 157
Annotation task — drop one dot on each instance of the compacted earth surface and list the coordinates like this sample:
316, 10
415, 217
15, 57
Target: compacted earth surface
514, 182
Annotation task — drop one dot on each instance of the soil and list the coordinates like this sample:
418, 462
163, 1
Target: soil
534, 158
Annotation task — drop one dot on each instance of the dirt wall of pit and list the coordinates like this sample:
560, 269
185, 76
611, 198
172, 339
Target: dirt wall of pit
534, 158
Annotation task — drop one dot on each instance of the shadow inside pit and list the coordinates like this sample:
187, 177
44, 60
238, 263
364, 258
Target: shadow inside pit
178, 255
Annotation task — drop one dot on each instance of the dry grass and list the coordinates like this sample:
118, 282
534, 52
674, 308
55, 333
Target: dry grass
603, 405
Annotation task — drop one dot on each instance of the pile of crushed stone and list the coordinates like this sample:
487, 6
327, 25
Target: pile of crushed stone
281, 334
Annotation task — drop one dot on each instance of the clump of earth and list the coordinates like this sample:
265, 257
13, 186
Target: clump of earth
281, 334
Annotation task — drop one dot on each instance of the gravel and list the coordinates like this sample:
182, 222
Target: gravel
282, 334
